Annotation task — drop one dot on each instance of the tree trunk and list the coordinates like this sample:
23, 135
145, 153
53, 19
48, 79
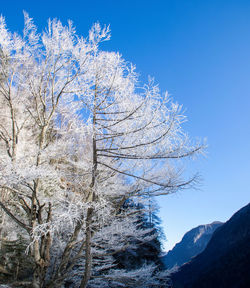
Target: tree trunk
91, 198
41, 251
88, 255
38, 277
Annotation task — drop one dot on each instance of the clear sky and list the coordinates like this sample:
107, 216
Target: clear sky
200, 52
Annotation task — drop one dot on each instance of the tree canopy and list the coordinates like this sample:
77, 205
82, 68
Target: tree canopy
79, 136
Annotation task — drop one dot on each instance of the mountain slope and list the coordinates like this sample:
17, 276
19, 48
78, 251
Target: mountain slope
225, 262
192, 243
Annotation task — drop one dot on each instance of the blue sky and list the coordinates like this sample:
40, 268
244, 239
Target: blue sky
200, 52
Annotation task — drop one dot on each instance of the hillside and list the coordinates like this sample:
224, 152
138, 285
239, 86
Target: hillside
225, 262
192, 243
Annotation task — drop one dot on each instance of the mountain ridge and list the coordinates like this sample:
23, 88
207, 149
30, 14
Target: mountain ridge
193, 242
225, 262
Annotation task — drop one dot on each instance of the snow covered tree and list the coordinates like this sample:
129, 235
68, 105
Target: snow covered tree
79, 136
144, 252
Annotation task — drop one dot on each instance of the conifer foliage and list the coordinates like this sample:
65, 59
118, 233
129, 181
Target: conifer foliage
79, 136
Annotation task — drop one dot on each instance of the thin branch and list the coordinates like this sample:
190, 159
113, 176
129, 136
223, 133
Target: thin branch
8, 212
